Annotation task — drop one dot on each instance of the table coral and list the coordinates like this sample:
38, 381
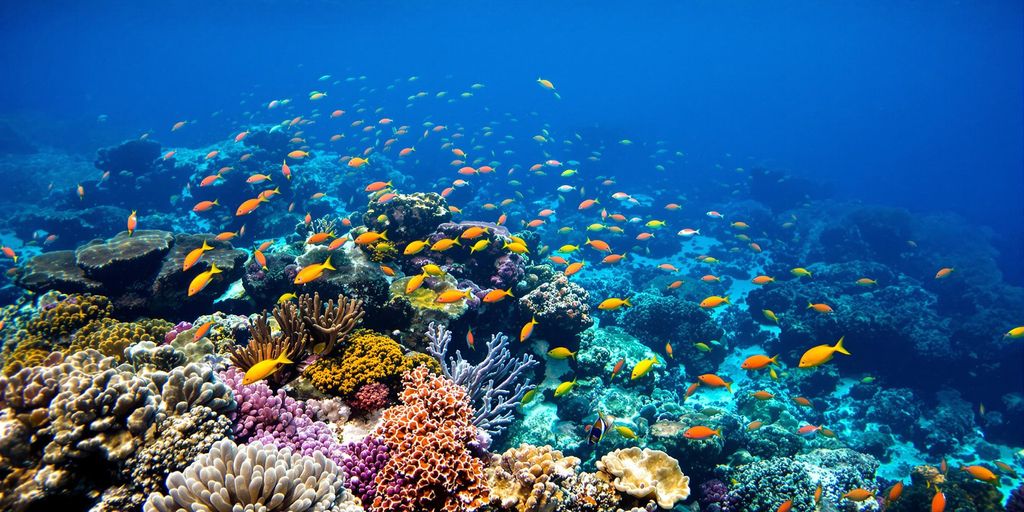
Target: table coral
223, 479
431, 467
646, 474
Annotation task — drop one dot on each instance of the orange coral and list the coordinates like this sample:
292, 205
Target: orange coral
430, 466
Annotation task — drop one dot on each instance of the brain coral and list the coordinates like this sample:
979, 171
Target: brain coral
530, 478
255, 477
428, 438
646, 474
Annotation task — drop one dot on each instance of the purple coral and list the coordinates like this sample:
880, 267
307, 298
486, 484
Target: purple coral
495, 385
361, 462
1015, 503
278, 419
509, 268
176, 330
714, 497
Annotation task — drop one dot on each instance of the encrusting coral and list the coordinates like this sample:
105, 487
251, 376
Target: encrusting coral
646, 473
530, 478
255, 477
367, 357
431, 467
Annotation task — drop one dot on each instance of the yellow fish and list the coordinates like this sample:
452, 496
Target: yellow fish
770, 315
444, 244
528, 397
311, 273
625, 431
264, 369
479, 245
285, 297
517, 248
432, 270
821, 354
643, 367
414, 247
564, 388
560, 353
450, 296
613, 304
800, 272
203, 279
193, 256
415, 283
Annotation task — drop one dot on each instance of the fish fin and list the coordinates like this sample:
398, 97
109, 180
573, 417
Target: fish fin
775, 360
206, 246
384, 234
509, 292
809, 305
718, 432
626, 303
728, 385
283, 359
327, 264
214, 269
726, 299
840, 348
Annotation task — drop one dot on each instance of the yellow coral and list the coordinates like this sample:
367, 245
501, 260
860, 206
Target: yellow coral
366, 357
530, 478
645, 474
383, 251
68, 314
111, 337
417, 359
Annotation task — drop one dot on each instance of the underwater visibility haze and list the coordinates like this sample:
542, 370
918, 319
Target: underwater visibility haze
521, 256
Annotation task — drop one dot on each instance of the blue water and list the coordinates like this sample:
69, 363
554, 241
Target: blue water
915, 104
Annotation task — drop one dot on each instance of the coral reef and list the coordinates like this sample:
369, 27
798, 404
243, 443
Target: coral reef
530, 478
366, 357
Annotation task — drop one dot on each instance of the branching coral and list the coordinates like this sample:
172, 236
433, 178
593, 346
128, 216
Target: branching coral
428, 437
329, 321
254, 477
495, 385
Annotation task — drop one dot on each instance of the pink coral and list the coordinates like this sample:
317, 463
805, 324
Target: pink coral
428, 437
370, 397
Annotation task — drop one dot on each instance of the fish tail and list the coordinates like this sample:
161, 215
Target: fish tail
840, 348
283, 359
327, 264
384, 235
717, 432
509, 292
214, 269
809, 305
775, 360
728, 385
206, 246
625, 302
726, 299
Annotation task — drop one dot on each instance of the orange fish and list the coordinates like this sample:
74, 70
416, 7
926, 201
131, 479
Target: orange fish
710, 279
714, 301
450, 296
179, 125
202, 206
613, 258
762, 395
388, 271
202, 280
762, 280
558, 260
193, 256
982, 473
573, 268
668, 267
132, 223
938, 502
377, 185
248, 206
527, 330
298, 154
895, 492
754, 425
943, 272
802, 401
674, 284
260, 258
210, 180
227, 235
587, 203
371, 236
285, 170
338, 242
600, 245
202, 330
618, 368
701, 432
212, 154
497, 295
714, 381
820, 307
691, 389
10, 253
319, 237
668, 350
257, 178
756, 362
786, 506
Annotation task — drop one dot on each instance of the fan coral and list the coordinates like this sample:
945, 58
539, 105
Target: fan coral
428, 437
646, 474
254, 477
530, 478
495, 385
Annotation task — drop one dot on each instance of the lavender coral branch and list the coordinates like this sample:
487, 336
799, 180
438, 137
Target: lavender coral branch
495, 385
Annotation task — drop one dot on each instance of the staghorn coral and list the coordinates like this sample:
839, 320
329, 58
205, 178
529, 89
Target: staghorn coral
367, 357
530, 478
329, 321
428, 437
646, 474
495, 385
254, 477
